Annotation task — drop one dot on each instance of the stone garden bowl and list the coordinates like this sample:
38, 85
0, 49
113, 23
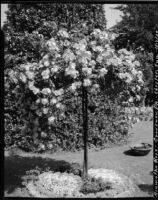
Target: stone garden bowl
141, 149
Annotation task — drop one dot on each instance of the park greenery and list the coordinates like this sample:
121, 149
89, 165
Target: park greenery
66, 84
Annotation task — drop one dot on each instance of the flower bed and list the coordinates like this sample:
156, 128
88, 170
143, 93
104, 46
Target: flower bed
53, 185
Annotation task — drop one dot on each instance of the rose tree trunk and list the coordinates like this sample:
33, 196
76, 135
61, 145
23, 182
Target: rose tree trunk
85, 130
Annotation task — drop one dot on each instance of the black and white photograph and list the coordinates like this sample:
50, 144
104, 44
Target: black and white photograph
79, 98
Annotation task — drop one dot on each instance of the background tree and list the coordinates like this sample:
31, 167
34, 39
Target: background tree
135, 31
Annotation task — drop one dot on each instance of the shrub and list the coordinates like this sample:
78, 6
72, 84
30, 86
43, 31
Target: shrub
93, 185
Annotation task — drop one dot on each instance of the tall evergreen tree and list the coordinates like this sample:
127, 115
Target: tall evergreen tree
136, 32
139, 21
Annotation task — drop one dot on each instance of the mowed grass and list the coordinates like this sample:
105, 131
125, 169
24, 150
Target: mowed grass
137, 168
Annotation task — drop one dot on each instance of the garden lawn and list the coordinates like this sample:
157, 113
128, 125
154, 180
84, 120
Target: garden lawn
137, 168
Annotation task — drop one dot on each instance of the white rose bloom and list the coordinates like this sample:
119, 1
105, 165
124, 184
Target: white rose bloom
43, 134
129, 62
96, 32
92, 63
72, 88
72, 66
45, 110
140, 81
30, 75
68, 55
138, 87
99, 58
71, 72
46, 91
129, 79
140, 73
87, 82
54, 69
84, 70
130, 99
51, 120
53, 101
26, 66
38, 101
44, 101
31, 83
45, 74
63, 33
58, 92
134, 71
98, 48
46, 57
58, 105
96, 86
138, 97
137, 63
39, 113
103, 71
52, 45
23, 78
78, 84
74, 74
46, 63
34, 89
137, 120
41, 65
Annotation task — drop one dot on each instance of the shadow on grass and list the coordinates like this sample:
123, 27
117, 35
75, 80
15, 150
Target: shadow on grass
130, 153
146, 188
16, 166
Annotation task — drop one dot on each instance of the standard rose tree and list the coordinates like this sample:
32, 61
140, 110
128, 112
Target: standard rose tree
75, 62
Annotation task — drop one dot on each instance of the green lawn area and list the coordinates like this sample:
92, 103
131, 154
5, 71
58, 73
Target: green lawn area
137, 168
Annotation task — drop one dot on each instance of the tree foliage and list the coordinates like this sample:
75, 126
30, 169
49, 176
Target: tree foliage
136, 32
139, 21
24, 21
72, 60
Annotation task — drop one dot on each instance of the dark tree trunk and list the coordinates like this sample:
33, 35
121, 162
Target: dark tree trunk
85, 130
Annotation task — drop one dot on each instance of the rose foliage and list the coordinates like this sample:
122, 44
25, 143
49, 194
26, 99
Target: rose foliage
49, 92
